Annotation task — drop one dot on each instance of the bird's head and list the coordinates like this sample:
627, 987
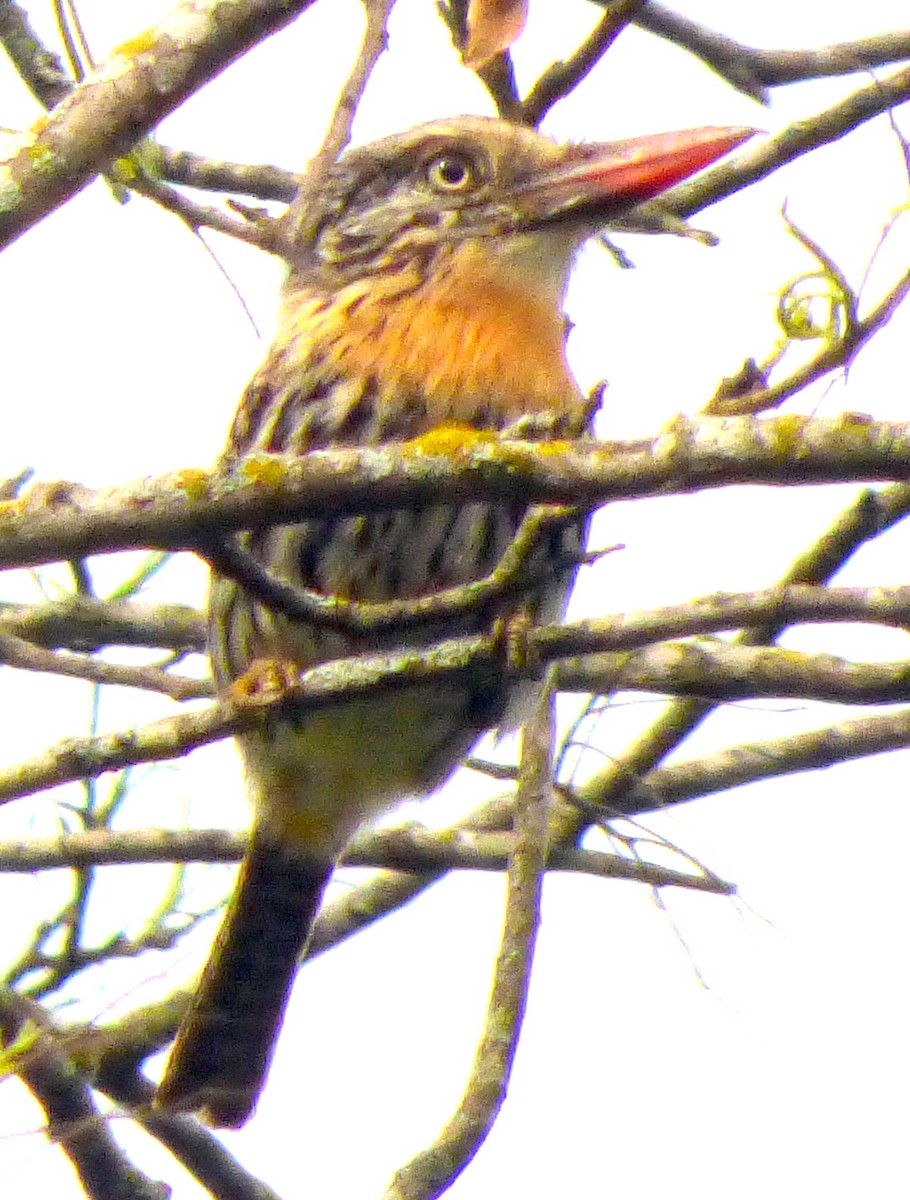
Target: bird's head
438, 258
478, 178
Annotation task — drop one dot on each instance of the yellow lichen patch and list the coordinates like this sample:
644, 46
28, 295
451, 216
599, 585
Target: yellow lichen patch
551, 449
10, 510
788, 432
264, 472
138, 44
451, 439
194, 483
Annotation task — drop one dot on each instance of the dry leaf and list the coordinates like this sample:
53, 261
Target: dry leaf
493, 25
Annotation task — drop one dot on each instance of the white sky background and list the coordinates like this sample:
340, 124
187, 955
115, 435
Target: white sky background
124, 352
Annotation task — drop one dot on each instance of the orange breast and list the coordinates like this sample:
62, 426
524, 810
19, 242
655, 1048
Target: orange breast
464, 336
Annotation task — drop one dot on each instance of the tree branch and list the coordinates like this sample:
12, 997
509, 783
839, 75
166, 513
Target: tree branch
445, 662
719, 671
752, 70
845, 741
143, 81
86, 623
430, 1173
17, 652
412, 849
73, 1119
186, 508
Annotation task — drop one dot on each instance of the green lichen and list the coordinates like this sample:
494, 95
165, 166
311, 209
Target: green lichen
787, 432
10, 194
853, 430
42, 158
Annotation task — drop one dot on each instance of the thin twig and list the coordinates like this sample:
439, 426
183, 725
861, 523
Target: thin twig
375, 41
870, 515
74, 1121
142, 83
17, 652
445, 663
750, 762
196, 1148
262, 232
412, 849
514, 572
559, 80
430, 1173
753, 70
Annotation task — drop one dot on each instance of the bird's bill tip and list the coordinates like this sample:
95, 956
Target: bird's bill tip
622, 174
644, 166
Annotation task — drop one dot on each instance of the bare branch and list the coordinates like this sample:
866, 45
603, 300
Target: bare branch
375, 43
752, 70
345, 679
261, 181
430, 1173
563, 77
198, 1149
73, 1119
186, 508
412, 849
512, 573
761, 159
85, 623
17, 652
142, 82
40, 69
261, 231
845, 741
871, 514
721, 671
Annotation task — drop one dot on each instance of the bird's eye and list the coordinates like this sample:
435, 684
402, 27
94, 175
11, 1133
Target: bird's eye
451, 173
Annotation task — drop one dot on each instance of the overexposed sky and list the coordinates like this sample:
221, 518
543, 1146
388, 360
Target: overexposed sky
719, 1048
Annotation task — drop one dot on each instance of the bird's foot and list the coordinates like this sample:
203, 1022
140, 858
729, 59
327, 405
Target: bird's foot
264, 682
512, 635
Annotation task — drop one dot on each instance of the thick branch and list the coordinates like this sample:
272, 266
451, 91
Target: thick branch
446, 663
73, 1119
860, 737
431, 1172
179, 510
721, 671
117, 105
412, 849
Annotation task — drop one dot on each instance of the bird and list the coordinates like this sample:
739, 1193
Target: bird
424, 293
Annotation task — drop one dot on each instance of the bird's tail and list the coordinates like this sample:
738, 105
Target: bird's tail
224, 1045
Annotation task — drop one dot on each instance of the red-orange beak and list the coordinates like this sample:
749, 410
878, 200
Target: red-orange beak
602, 180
